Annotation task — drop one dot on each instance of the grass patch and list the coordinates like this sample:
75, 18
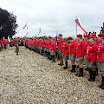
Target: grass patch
1, 49
84, 62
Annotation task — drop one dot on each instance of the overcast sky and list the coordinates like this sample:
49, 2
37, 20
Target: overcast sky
56, 15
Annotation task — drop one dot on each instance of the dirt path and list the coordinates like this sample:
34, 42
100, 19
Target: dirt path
31, 79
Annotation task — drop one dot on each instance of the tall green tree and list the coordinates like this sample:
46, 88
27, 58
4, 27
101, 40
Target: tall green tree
8, 23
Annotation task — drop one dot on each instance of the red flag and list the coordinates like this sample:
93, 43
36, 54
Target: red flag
78, 23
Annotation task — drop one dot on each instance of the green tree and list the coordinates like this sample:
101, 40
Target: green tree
8, 23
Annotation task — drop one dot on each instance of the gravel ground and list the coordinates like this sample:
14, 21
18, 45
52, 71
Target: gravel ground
31, 79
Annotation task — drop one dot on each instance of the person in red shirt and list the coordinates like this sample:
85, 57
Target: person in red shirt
4, 42
53, 49
72, 53
49, 48
80, 46
91, 53
100, 58
0, 43
65, 54
60, 45
86, 37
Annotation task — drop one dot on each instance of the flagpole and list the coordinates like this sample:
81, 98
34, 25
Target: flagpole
76, 28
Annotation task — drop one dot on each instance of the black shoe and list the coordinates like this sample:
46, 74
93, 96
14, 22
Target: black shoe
97, 72
91, 80
73, 69
87, 69
65, 67
58, 64
80, 72
53, 59
50, 58
102, 87
102, 83
80, 75
93, 75
61, 64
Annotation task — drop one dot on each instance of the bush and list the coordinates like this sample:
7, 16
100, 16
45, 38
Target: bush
1, 49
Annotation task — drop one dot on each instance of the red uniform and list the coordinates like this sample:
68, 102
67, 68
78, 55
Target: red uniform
71, 48
80, 48
100, 52
60, 45
4, 41
66, 49
0, 42
91, 53
15, 42
53, 46
49, 45
7, 42
97, 41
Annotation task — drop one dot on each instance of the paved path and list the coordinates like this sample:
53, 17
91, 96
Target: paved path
31, 79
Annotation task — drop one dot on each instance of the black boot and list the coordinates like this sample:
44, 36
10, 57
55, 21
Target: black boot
61, 64
66, 65
87, 69
90, 73
97, 72
92, 76
53, 58
73, 68
102, 83
80, 72
50, 57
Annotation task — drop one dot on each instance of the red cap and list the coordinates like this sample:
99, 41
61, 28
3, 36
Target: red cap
79, 35
101, 35
92, 36
69, 38
86, 36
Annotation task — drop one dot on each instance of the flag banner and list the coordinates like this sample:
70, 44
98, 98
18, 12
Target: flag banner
25, 26
78, 23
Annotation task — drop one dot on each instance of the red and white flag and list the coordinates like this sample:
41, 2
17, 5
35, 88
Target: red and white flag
78, 23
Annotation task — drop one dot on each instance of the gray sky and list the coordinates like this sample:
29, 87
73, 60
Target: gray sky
56, 15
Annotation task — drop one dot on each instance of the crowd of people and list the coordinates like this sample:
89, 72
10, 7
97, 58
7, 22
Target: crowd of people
4, 43
89, 48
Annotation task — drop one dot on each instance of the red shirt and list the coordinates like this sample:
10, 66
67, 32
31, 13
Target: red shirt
91, 53
60, 45
100, 52
15, 42
0, 42
66, 49
80, 48
53, 45
71, 48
